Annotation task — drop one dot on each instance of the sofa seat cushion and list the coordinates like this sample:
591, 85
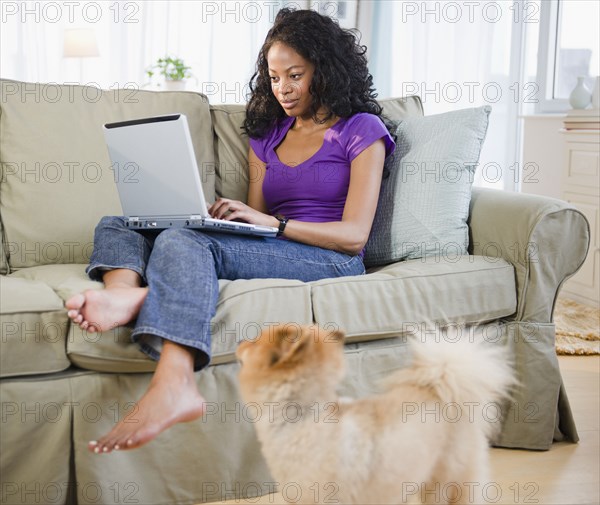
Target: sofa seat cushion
34, 327
244, 309
64, 279
410, 296
388, 301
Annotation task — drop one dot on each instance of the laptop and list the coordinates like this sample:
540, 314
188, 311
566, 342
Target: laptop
158, 180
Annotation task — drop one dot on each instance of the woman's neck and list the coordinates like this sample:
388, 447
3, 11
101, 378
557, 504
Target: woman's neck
308, 124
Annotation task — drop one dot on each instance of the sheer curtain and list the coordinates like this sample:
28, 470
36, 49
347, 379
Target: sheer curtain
218, 39
456, 55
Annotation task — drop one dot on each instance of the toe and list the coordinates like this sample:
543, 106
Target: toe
101, 446
75, 302
97, 449
121, 443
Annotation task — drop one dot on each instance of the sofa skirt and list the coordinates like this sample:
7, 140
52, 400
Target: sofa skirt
44, 438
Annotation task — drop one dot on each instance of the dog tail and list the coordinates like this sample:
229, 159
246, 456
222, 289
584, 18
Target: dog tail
472, 376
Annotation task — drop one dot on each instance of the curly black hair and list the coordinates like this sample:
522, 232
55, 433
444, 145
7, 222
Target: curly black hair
341, 82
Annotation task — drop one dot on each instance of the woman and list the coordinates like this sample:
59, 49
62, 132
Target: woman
317, 148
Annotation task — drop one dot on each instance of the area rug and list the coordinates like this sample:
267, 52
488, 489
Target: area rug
577, 328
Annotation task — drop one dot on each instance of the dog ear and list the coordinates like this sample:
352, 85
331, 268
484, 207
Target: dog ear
292, 342
337, 336
241, 350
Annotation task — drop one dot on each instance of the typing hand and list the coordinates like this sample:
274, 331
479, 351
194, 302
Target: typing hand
234, 210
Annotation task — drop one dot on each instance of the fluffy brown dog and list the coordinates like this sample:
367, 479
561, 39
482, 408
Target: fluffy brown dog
424, 439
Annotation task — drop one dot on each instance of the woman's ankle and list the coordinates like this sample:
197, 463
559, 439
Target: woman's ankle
122, 278
176, 360
122, 285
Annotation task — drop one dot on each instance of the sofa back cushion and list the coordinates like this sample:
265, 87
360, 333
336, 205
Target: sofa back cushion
231, 151
399, 108
424, 200
231, 148
57, 180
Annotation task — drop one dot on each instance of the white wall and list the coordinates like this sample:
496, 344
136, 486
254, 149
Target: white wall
543, 155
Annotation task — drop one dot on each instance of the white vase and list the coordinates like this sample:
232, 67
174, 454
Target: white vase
174, 85
596, 94
580, 97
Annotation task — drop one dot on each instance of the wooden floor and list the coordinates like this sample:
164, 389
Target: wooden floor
567, 474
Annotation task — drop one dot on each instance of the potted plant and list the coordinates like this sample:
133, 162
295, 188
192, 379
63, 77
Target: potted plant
174, 70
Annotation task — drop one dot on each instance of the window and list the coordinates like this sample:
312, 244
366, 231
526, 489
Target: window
569, 42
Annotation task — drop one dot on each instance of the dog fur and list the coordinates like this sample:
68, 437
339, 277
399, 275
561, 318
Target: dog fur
423, 439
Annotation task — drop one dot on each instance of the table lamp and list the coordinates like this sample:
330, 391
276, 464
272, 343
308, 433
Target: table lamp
80, 43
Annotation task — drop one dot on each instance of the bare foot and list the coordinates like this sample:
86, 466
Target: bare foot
165, 403
101, 310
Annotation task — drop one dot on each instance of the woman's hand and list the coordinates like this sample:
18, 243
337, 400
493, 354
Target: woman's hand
231, 210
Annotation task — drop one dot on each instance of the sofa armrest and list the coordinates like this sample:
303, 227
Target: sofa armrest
544, 238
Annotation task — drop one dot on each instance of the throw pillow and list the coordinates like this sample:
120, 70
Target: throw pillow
426, 191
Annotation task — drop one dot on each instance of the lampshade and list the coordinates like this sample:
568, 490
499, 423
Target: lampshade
80, 42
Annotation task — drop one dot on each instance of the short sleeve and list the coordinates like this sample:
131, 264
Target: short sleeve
259, 148
364, 129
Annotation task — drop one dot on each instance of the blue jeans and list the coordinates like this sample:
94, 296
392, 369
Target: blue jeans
181, 268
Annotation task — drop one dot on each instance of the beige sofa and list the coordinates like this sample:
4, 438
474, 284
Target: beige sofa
61, 387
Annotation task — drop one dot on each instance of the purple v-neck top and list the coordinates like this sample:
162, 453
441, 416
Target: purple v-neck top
316, 189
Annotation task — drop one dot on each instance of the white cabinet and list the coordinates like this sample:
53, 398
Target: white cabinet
581, 188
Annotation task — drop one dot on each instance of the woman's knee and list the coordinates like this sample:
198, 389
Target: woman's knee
181, 243
111, 222
173, 238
